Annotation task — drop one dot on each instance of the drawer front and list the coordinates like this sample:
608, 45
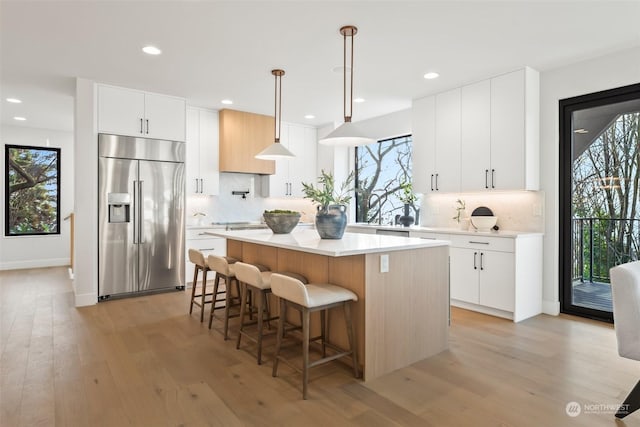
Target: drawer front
429, 235
199, 233
213, 245
501, 244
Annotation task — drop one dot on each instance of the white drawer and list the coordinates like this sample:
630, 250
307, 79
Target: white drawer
199, 233
216, 245
429, 235
501, 244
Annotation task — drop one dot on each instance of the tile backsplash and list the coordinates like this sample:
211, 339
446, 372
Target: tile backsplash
517, 210
226, 207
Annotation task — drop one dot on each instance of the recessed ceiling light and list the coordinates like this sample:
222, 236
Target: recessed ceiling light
227, 101
151, 50
309, 116
20, 119
581, 130
358, 100
431, 75
14, 100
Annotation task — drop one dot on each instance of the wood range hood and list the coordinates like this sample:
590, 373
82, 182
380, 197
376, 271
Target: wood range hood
242, 136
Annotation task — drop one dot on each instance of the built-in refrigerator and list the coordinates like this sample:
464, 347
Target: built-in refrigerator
141, 215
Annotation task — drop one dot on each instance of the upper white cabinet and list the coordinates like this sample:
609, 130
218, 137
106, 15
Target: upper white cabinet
500, 136
131, 112
483, 136
287, 181
436, 142
202, 174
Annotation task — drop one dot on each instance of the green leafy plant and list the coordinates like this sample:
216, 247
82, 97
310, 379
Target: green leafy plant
325, 193
459, 209
281, 212
406, 196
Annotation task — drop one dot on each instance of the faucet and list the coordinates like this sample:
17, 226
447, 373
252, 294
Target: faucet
379, 206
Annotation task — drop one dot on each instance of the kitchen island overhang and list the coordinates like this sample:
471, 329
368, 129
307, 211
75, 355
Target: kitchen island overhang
402, 314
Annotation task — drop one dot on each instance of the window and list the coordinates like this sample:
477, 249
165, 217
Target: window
32, 190
381, 170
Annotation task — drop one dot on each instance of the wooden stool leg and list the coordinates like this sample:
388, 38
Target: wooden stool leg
305, 352
243, 305
323, 328
216, 284
193, 288
281, 319
352, 338
227, 305
204, 293
260, 297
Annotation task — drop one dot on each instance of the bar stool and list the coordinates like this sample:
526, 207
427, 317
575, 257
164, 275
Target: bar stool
259, 284
197, 258
308, 299
224, 268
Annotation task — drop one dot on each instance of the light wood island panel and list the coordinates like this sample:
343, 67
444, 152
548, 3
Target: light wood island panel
400, 317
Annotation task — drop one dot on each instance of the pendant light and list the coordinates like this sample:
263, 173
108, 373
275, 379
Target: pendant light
276, 150
349, 133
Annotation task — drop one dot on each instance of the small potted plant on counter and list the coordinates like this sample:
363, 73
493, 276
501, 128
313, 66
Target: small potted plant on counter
281, 221
407, 197
331, 218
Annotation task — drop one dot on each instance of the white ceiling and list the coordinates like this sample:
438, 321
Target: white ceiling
214, 50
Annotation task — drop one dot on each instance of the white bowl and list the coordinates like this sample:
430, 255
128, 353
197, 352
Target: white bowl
484, 223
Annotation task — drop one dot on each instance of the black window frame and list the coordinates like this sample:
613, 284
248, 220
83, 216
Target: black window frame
7, 195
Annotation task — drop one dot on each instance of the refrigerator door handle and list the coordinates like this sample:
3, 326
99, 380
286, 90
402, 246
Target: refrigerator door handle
140, 212
135, 211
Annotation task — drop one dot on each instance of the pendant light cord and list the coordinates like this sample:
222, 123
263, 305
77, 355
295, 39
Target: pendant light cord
277, 103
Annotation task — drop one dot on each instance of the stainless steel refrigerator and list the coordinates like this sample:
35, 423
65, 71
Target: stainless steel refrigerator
141, 215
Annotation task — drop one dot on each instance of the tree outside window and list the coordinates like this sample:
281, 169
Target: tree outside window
32, 190
383, 170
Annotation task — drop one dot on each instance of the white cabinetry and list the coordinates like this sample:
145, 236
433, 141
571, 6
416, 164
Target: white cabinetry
209, 245
436, 142
287, 181
497, 275
131, 112
500, 136
202, 152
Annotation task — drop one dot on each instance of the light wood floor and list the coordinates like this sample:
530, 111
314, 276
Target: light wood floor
145, 362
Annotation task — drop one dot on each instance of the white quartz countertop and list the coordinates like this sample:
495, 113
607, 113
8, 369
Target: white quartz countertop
310, 241
447, 230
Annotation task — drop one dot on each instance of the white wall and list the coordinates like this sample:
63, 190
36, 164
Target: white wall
39, 251
607, 72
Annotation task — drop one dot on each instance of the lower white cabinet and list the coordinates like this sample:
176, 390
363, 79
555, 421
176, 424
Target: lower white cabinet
209, 245
501, 276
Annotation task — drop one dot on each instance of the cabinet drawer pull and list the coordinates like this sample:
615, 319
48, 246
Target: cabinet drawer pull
481, 260
141, 126
486, 178
437, 189
493, 178
208, 249
475, 254
478, 243
147, 126
431, 182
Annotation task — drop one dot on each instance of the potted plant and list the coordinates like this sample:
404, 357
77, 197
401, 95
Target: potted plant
281, 221
331, 218
461, 214
407, 197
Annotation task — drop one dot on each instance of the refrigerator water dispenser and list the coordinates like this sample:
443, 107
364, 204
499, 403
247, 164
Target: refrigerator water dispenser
119, 207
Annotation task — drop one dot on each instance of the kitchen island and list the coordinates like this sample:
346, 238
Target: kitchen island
402, 314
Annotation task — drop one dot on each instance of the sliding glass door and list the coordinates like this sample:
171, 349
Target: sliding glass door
599, 196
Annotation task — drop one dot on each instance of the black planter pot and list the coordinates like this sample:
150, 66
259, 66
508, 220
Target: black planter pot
406, 219
331, 221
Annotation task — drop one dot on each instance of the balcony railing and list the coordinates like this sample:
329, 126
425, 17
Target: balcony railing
602, 243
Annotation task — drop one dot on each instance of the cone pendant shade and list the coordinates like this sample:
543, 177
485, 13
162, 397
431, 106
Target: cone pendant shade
348, 134
276, 150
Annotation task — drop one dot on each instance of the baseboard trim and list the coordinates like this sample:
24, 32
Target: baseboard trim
83, 300
551, 307
33, 263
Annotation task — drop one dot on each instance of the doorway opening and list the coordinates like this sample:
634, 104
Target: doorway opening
599, 196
